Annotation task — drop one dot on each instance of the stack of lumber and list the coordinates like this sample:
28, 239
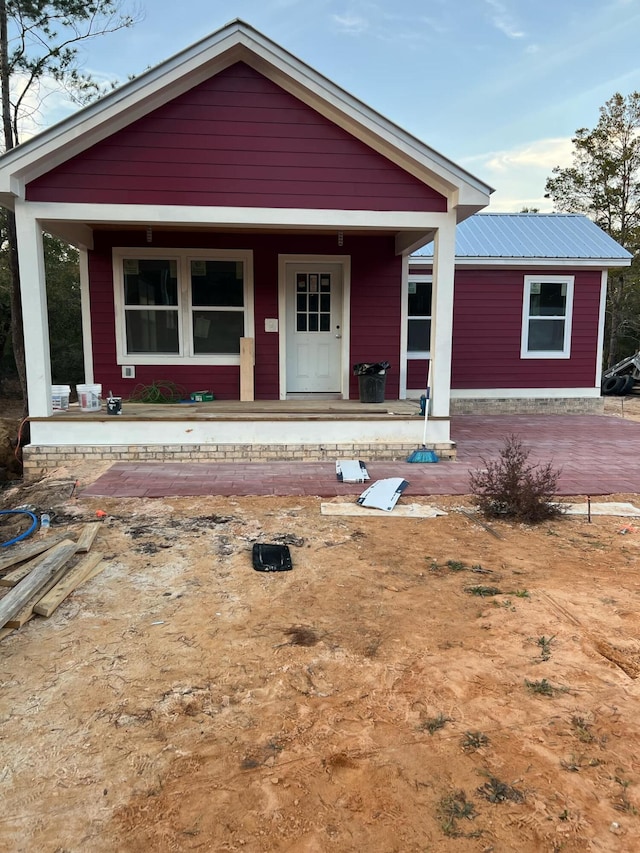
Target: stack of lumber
37, 576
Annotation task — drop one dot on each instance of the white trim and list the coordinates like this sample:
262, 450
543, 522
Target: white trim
326, 434
442, 317
85, 302
529, 281
345, 262
524, 393
237, 42
33, 293
182, 257
528, 263
404, 299
424, 354
75, 233
408, 242
210, 216
601, 324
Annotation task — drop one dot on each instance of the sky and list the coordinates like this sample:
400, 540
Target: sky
497, 86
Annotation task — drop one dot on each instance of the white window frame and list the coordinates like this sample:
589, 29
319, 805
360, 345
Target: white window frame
183, 258
419, 279
565, 352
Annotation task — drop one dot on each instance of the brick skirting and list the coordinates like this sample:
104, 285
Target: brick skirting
525, 406
38, 460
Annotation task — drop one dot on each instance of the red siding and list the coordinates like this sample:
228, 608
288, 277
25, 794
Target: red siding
375, 309
236, 140
376, 275
487, 326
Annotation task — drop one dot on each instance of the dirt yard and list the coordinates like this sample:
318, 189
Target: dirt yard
411, 685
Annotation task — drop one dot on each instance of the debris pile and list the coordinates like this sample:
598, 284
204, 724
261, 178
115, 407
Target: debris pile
36, 577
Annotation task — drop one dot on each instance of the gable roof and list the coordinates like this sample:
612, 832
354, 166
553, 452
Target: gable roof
237, 41
546, 237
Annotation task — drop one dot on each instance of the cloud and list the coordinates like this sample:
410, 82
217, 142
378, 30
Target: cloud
503, 20
434, 24
44, 103
47, 101
541, 154
519, 174
390, 24
352, 24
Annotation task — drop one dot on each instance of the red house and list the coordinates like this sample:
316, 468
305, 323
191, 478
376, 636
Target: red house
528, 320
248, 227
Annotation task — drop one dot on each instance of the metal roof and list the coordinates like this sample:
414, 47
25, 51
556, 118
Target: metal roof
532, 235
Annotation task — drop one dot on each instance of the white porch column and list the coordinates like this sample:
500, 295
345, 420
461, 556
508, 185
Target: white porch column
34, 309
85, 301
601, 323
442, 316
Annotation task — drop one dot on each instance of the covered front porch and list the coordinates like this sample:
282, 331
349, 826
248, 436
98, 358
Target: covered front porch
230, 431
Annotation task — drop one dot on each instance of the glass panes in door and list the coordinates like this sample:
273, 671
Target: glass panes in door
313, 302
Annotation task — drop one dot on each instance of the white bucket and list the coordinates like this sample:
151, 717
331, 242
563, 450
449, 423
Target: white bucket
89, 397
60, 397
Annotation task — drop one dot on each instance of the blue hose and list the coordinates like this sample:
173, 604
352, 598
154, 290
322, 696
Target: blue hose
34, 524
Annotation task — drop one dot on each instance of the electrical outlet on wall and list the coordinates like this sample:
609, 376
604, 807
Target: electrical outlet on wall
128, 371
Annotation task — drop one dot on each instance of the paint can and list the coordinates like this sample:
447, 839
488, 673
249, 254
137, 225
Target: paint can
114, 405
60, 397
89, 397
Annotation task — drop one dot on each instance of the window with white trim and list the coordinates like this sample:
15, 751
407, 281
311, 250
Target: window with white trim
547, 312
183, 305
419, 316
151, 305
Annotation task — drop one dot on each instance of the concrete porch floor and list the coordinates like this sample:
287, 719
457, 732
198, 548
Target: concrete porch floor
597, 455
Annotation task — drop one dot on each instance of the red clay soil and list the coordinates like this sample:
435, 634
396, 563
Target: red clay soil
410, 685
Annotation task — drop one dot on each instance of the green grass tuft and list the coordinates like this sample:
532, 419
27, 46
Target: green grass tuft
474, 740
452, 808
543, 688
433, 724
484, 591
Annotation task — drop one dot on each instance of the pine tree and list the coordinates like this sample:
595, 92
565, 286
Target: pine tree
604, 183
39, 39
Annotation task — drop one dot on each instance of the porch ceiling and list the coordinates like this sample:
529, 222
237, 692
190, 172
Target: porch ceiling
80, 234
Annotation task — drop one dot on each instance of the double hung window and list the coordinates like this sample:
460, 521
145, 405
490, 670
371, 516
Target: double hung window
179, 306
546, 317
419, 317
217, 306
151, 306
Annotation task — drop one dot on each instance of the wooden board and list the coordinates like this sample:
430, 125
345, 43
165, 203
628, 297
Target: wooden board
625, 510
4, 632
99, 568
17, 597
23, 615
247, 361
399, 510
20, 552
88, 535
14, 576
72, 580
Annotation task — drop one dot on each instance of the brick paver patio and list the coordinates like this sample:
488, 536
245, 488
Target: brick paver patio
597, 455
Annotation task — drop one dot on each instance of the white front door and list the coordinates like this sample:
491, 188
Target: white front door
314, 327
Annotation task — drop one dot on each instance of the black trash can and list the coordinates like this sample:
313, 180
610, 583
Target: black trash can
372, 379
372, 388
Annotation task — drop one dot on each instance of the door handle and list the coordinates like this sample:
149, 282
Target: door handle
338, 336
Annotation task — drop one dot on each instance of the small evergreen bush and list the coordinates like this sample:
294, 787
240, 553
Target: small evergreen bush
510, 487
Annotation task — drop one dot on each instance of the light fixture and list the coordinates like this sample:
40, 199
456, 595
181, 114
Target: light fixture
340, 238
149, 234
